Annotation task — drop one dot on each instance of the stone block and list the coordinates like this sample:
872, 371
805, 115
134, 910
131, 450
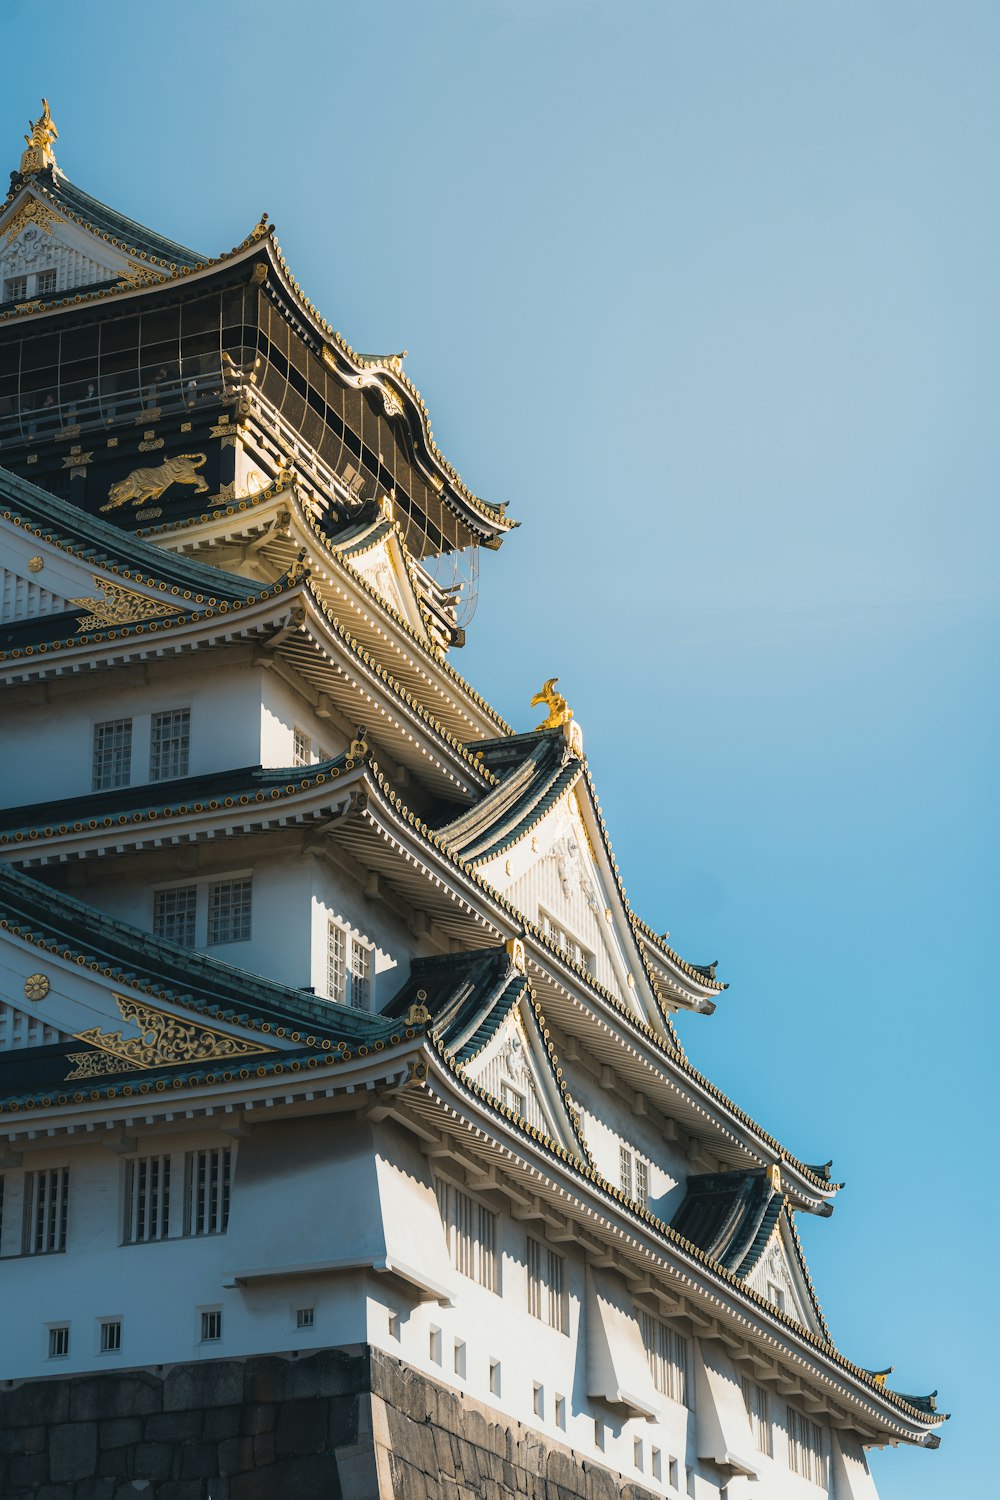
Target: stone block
37, 1402
27, 1470
173, 1426
188, 1387
117, 1431
116, 1463
302, 1427
263, 1449
345, 1413
221, 1422
195, 1460
181, 1489
16, 1440
299, 1477
152, 1460
264, 1379
73, 1451
100, 1397
94, 1489
235, 1455
258, 1417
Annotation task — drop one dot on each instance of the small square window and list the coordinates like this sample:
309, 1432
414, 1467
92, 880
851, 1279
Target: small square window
111, 1336
305, 1317
15, 289
59, 1341
211, 1326
45, 282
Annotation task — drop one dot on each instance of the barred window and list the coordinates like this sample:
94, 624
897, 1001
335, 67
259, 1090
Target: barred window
169, 744
806, 1453
211, 1326
112, 754
59, 1341
46, 1209
300, 747
147, 1199
229, 911
45, 282
633, 1175
625, 1170
349, 965
206, 1190
642, 1182
174, 913
755, 1400
565, 940
111, 1336
471, 1230
547, 1286
15, 288
667, 1353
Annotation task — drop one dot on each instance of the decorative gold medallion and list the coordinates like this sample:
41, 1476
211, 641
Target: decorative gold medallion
119, 606
163, 1039
36, 986
35, 564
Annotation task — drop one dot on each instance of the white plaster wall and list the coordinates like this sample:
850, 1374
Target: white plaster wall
282, 710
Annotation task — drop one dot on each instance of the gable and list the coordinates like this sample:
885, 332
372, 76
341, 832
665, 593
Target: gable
40, 579
554, 876
38, 238
778, 1271
514, 1069
383, 568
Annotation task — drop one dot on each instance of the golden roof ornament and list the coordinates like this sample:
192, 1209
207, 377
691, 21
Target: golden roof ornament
39, 154
559, 710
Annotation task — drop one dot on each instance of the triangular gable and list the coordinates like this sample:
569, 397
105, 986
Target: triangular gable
382, 564
39, 579
779, 1277
39, 237
514, 1068
557, 872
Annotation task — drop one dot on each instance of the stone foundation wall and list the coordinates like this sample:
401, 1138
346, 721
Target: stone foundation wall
342, 1424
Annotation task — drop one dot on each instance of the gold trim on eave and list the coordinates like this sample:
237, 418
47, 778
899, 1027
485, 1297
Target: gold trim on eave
163, 1039
119, 606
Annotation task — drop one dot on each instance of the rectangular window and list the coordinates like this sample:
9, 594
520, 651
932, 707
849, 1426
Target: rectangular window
15, 289
806, 1453
45, 282
642, 1182
169, 744
394, 1325
211, 1326
111, 1336
538, 1399
206, 1190
494, 1377
755, 1400
547, 1286
305, 1317
637, 1453
471, 1230
229, 911
147, 1199
174, 914
561, 1412
460, 1358
434, 1345
625, 1170
112, 754
656, 1463
514, 1099
667, 1353
349, 966
300, 748
46, 1206
566, 941
59, 1342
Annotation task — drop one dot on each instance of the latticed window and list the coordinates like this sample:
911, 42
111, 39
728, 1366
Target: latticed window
471, 1230
565, 940
667, 1353
174, 913
112, 754
206, 1190
642, 1182
625, 1170
806, 1453
169, 744
755, 1400
547, 1286
45, 282
300, 747
349, 964
229, 910
59, 1341
147, 1199
46, 1209
15, 288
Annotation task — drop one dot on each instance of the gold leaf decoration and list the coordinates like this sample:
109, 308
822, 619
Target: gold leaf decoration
164, 1039
32, 211
119, 606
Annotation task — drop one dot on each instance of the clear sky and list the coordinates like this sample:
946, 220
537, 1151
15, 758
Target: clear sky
710, 294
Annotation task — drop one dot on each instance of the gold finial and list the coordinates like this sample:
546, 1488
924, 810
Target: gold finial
559, 711
39, 154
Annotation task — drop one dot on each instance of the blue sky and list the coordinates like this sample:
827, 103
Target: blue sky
710, 294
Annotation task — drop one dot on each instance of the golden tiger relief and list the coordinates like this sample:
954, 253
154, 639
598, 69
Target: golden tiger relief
148, 484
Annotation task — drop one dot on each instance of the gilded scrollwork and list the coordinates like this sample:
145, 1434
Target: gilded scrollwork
163, 1039
119, 606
